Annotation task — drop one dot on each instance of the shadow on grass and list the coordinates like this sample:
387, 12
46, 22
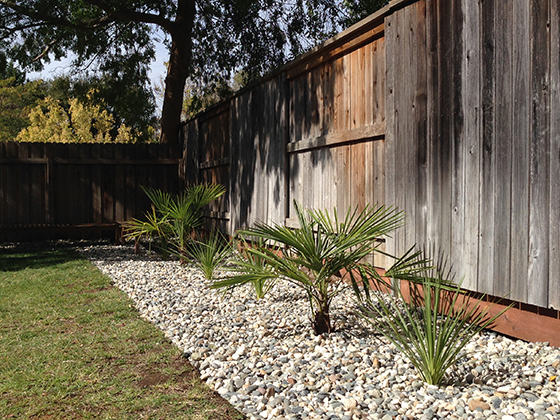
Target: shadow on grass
21, 256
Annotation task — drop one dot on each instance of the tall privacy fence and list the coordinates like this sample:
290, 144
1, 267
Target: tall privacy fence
446, 109
69, 184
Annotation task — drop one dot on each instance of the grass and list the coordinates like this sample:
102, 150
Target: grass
73, 347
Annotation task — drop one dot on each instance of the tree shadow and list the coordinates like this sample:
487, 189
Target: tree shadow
18, 257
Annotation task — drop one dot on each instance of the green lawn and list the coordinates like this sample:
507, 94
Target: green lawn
72, 347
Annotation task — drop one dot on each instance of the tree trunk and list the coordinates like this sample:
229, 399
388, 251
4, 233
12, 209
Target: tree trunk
178, 71
322, 322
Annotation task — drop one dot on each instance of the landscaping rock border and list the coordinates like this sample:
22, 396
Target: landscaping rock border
262, 356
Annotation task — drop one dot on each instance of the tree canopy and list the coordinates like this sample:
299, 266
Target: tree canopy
208, 40
130, 102
16, 101
130, 108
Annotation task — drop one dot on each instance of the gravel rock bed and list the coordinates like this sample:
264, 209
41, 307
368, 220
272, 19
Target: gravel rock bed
262, 356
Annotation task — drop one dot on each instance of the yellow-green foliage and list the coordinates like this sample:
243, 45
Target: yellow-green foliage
82, 123
16, 101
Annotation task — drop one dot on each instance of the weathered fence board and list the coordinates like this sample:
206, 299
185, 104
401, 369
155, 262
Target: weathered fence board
472, 152
520, 143
540, 138
503, 28
554, 169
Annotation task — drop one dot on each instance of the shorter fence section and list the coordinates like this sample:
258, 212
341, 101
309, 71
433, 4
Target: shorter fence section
79, 184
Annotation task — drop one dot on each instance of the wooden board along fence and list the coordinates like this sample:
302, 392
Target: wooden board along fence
442, 108
80, 184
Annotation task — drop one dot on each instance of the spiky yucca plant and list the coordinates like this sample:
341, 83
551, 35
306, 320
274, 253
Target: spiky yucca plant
210, 253
434, 326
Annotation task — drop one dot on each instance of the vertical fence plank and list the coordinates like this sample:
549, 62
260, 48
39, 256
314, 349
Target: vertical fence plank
12, 186
345, 120
308, 192
420, 128
299, 85
72, 172
379, 190
108, 184
407, 146
369, 83
554, 177
343, 176
328, 97
471, 154
433, 125
235, 166
97, 186
521, 147
296, 181
37, 185
120, 188
60, 188
357, 175
539, 200
456, 132
50, 189
292, 105
315, 111
3, 185
391, 119
142, 202
315, 179
369, 175
25, 184
446, 140
487, 192
338, 98
84, 184
503, 151
130, 185
379, 81
276, 159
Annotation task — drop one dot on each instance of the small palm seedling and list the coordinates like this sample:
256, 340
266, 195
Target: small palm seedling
210, 254
252, 267
173, 219
323, 256
433, 328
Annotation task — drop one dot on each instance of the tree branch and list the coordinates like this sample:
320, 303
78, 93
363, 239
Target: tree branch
53, 20
133, 16
45, 51
22, 27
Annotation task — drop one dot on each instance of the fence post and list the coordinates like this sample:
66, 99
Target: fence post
49, 191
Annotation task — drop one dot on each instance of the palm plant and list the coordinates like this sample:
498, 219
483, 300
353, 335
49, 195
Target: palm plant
323, 256
433, 328
173, 219
211, 253
251, 267
152, 228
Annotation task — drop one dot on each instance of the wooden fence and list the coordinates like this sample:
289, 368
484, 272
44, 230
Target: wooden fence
474, 140
443, 108
300, 134
81, 183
